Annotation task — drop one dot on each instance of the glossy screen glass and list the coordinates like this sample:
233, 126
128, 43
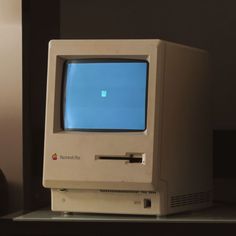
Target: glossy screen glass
105, 95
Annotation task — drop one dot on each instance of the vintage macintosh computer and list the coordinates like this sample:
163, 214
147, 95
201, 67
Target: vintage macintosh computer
127, 127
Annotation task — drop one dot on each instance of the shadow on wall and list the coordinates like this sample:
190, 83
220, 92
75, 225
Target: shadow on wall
3, 194
11, 157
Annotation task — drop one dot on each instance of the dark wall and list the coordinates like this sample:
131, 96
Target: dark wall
40, 24
205, 24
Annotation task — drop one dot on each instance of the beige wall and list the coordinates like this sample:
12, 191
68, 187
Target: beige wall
11, 99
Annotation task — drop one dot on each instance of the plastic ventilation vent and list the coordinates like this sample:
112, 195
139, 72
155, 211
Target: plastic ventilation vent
189, 199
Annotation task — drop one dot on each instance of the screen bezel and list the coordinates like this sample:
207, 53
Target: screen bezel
100, 60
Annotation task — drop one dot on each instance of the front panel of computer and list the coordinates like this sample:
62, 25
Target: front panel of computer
112, 145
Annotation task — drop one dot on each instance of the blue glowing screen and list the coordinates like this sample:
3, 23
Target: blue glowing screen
105, 95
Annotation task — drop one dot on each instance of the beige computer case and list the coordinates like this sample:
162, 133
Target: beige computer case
176, 170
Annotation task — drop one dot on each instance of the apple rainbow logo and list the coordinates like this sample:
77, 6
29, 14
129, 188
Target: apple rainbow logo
54, 156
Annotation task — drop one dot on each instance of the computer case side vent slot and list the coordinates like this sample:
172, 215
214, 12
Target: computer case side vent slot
190, 199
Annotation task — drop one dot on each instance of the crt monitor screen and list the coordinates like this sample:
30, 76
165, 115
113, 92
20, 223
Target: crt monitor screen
109, 95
